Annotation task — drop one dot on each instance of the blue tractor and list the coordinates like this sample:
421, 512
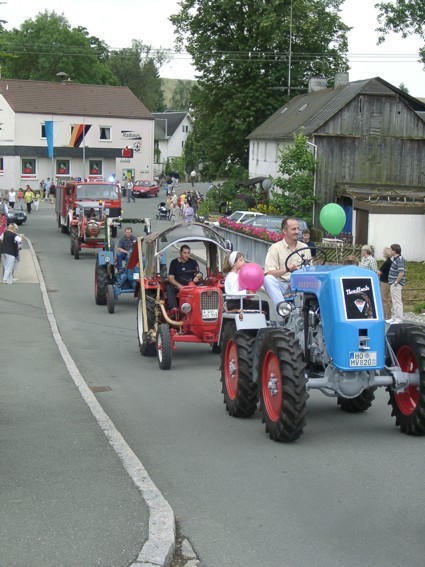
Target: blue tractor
332, 337
110, 282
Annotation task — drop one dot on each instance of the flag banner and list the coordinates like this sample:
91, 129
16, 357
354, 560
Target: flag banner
48, 125
77, 135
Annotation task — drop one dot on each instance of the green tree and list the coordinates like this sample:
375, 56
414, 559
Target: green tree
180, 99
240, 49
137, 67
402, 16
295, 195
42, 47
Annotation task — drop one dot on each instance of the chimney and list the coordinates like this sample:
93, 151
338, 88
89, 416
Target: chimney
341, 79
317, 84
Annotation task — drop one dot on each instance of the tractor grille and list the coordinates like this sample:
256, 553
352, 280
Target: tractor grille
210, 303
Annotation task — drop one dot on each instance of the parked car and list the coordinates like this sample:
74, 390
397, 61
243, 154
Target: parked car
273, 223
240, 216
16, 216
145, 189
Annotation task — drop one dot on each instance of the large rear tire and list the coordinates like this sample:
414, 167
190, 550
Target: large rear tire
282, 385
110, 298
408, 406
146, 348
163, 347
240, 392
100, 284
360, 403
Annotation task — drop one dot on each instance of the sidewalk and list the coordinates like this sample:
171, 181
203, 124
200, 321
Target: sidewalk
68, 497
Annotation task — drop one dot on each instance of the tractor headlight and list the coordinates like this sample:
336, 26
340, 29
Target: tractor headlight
107, 259
284, 309
186, 308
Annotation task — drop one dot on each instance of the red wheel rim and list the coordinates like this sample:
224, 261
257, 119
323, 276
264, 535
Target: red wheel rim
231, 369
272, 385
407, 400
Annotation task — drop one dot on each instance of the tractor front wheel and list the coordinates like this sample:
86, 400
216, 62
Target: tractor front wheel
100, 284
110, 298
163, 347
240, 392
408, 405
282, 385
146, 348
360, 403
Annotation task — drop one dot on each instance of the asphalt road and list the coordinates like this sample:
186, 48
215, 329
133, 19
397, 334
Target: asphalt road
349, 493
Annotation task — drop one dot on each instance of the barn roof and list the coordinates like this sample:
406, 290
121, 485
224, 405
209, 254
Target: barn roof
311, 110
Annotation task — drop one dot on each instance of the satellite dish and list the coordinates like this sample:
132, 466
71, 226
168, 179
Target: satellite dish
266, 184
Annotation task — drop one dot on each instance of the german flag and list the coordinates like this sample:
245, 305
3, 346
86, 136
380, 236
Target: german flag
79, 131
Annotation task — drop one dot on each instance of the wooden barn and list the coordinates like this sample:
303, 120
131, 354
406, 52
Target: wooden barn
369, 139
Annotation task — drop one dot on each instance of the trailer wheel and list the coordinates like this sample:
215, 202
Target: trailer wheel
240, 392
163, 347
146, 348
110, 298
408, 406
100, 284
282, 385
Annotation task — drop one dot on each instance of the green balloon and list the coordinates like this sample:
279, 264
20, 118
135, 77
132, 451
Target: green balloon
332, 218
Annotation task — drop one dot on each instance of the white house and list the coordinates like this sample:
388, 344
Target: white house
92, 125
171, 132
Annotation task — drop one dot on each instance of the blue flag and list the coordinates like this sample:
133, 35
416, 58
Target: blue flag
48, 124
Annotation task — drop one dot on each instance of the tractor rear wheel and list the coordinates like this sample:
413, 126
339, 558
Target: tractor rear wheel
282, 385
360, 403
163, 347
408, 406
100, 284
146, 348
110, 298
240, 392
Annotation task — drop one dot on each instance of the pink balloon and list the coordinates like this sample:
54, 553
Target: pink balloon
251, 276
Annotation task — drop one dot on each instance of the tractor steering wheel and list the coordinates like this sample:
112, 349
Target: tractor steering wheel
304, 261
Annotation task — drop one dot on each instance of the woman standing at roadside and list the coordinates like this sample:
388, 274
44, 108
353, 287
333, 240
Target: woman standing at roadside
383, 272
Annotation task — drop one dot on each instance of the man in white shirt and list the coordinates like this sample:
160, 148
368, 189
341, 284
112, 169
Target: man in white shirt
276, 280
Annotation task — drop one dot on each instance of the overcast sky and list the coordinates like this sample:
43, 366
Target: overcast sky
117, 22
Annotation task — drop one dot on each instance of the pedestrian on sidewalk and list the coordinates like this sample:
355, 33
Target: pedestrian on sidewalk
12, 198
20, 199
397, 279
383, 274
130, 195
10, 251
193, 177
37, 200
29, 198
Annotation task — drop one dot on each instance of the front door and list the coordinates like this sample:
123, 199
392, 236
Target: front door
362, 226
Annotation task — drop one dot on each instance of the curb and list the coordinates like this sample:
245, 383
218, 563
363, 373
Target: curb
158, 550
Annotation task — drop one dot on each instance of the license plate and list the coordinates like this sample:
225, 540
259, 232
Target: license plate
209, 313
358, 359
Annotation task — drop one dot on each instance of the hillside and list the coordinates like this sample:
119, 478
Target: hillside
168, 86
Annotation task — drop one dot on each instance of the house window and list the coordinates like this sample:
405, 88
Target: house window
95, 167
43, 131
1, 166
104, 133
28, 166
62, 167
185, 128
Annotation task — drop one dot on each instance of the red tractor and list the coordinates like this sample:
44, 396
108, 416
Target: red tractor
198, 316
87, 230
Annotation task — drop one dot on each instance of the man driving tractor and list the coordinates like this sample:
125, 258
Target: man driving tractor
182, 271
